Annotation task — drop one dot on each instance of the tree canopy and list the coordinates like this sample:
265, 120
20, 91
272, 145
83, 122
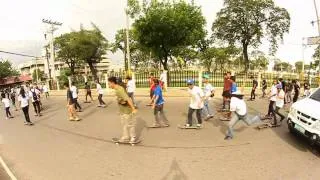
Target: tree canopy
6, 69
164, 26
247, 22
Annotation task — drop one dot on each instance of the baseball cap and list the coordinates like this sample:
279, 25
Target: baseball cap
190, 81
206, 76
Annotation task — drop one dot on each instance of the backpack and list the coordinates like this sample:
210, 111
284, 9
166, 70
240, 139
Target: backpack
34, 95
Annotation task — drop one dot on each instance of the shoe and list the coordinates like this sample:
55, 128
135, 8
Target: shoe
103, 106
26, 123
199, 125
77, 119
11, 117
165, 125
99, 106
228, 138
187, 125
7, 118
36, 115
71, 119
133, 140
79, 111
156, 125
124, 140
30, 123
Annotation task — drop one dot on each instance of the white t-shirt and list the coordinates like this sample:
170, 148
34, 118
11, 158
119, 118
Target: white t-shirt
196, 95
238, 105
31, 94
6, 102
73, 89
45, 89
99, 89
24, 101
280, 99
208, 88
131, 87
163, 77
274, 92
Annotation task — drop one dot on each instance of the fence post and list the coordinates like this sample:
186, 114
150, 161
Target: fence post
200, 77
259, 80
106, 78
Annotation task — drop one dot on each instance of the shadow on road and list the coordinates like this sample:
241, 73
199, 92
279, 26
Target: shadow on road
175, 172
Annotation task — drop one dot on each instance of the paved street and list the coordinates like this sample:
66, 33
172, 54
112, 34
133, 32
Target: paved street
57, 149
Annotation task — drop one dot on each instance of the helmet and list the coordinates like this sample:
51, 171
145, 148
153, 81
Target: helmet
190, 81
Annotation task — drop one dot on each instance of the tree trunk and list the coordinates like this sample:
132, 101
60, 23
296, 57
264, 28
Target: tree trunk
245, 55
165, 63
125, 61
93, 70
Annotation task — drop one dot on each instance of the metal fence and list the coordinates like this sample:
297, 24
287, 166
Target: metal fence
178, 78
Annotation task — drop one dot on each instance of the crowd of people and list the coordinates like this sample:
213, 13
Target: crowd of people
281, 93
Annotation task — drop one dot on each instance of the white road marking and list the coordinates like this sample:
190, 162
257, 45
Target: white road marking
7, 169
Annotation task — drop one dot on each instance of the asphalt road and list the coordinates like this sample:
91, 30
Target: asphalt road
56, 149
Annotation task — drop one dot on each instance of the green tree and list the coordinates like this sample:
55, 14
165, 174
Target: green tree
40, 75
6, 69
68, 51
298, 65
64, 74
247, 22
91, 46
283, 66
165, 26
258, 61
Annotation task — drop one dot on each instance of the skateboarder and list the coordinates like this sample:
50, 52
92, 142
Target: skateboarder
6, 103
296, 87
70, 105
196, 103
34, 94
279, 104
226, 91
127, 112
272, 99
208, 93
158, 103
131, 88
254, 87
88, 91
238, 108
75, 92
23, 98
264, 88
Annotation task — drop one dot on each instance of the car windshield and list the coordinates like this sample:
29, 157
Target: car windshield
316, 95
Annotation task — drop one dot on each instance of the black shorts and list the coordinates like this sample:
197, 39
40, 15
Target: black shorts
226, 94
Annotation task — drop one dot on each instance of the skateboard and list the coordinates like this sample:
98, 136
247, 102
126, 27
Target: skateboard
117, 142
223, 110
265, 117
191, 127
156, 127
267, 125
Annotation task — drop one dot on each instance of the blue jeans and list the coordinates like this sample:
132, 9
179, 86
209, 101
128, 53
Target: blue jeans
206, 110
235, 118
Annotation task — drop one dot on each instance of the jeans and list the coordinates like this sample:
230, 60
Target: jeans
8, 112
198, 113
36, 106
263, 92
160, 116
276, 112
101, 102
131, 95
128, 123
253, 94
26, 113
271, 108
235, 118
295, 97
289, 97
207, 111
76, 104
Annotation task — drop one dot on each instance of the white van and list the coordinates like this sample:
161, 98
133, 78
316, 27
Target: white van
304, 117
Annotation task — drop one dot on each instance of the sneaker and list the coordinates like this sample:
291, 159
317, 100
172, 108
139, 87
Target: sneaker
103, 106
30, 123
7, 118
199, 125
133, 140
26, 123
77, 119
165, 125
282, 119
71, 119
99, 105
187, 125
156, 125
11, 117
228, 138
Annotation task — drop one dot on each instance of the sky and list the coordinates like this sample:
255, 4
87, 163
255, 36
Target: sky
22, 30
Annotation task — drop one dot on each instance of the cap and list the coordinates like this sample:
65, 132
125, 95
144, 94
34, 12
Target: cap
206, 76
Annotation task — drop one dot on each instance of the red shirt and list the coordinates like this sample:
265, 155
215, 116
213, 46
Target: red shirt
227, 84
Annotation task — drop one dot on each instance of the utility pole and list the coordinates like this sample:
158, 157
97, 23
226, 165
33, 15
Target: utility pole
127, 36
318, 23
52, 29
37, 75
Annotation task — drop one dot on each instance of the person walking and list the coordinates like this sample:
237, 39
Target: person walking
264, 88
196, 103
131, 88
296, 87
272, 99
23, 98
88, 92
158, 106
279, 104
163, 79
45, 90
289, 92
6, 103
238, 109
70, 105
208, 93
254, 87
100, 92
13, 98
75, 92
152, 88
127, 112
34, 94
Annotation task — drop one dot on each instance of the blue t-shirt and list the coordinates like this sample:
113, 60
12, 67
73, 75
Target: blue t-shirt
234, 87
158, 92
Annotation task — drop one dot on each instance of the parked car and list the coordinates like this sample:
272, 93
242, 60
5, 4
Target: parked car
304, 117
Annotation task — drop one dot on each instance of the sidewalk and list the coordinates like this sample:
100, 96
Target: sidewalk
144, 92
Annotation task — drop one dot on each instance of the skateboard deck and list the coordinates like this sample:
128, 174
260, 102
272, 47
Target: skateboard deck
156, 127
265, 118
267, 125
224, 119
117, 142
191, 127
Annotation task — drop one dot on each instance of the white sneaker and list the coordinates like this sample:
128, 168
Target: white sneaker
187, 125
199, 125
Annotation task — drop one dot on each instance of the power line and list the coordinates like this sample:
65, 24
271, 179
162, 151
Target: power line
18, 54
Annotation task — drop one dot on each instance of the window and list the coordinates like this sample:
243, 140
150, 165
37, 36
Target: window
316, 95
